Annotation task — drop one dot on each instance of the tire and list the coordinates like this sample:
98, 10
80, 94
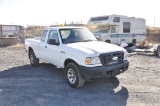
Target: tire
134, 42
108, 41
73, 76
33, 59
130, 44
157, 52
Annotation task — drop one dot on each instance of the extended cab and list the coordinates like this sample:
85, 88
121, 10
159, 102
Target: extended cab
77, 51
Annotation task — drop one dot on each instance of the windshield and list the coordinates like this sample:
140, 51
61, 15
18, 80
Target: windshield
72, 35
102, 30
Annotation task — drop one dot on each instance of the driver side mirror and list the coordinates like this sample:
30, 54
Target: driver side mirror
53, 42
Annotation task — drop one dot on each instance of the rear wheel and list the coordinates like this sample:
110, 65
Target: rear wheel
73, 76
33, 59
134, 42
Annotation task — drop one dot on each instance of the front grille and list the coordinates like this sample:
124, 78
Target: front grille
111, 58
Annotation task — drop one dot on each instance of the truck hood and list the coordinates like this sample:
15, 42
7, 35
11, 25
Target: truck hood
95, 47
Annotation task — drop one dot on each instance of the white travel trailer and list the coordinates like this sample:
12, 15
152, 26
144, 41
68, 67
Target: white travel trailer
116, 29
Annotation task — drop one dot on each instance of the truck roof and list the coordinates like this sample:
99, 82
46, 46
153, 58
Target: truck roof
64, 27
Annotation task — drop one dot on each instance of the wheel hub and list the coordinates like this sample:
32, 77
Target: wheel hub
71, 75
158, 51
31, 59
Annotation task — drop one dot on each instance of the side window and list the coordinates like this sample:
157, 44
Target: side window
114, 35
116, 19
44, 35
99, 19
126, 27
53, 35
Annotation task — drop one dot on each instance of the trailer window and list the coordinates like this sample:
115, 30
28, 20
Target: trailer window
100, 19
126, 27
116, 19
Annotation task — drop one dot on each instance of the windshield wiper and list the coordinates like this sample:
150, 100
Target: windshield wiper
73, 41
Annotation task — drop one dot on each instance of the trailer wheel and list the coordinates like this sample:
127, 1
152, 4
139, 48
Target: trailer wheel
157, 52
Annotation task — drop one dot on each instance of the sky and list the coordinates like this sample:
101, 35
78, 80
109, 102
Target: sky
48, 12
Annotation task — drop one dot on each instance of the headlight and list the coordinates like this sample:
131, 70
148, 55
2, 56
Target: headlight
92, 60
125, 55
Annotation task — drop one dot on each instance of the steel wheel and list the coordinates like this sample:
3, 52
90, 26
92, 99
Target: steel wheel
71, 76
31, 59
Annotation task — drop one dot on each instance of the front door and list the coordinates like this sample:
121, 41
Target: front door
123, 38
114, 36
53, 50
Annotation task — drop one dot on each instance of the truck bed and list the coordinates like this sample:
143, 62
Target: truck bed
34, 43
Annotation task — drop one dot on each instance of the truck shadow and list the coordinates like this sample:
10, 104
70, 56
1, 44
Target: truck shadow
46, 86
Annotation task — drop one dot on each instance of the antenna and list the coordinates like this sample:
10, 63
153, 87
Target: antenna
154, 21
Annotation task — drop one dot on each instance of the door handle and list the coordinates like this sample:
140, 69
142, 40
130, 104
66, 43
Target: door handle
45, 46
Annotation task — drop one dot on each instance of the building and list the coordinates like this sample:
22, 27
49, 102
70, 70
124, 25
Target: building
11, 30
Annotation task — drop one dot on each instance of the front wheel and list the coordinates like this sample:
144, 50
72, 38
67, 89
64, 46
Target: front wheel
73, 76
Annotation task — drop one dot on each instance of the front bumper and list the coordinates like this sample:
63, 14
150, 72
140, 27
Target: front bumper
90, 73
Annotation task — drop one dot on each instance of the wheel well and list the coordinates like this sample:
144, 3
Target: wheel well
108, 41
30, 49
67, 61
134, 40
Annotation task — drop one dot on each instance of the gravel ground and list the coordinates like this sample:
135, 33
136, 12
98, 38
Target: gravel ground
23, 85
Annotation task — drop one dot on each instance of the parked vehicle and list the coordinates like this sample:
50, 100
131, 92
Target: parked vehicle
77, 51
117, 28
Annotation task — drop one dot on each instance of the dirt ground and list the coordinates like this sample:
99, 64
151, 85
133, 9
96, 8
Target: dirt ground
23, 85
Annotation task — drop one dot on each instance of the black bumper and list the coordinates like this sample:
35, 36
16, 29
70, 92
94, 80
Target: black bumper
90, 73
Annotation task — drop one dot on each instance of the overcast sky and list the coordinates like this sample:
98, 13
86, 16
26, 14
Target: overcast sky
42, 12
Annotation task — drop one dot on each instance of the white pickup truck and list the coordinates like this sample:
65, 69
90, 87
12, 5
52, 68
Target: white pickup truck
76, 50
